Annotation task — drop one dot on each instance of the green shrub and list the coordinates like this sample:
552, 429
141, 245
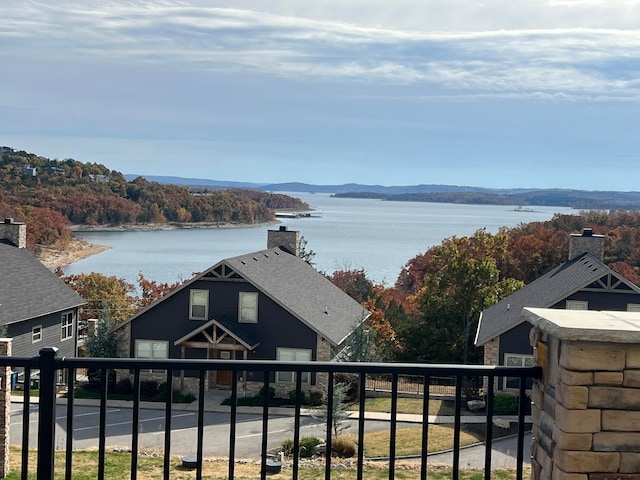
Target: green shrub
179, 397
287, 447
343, 446
148, 389
123, 386
307, 444
505, 404
305, 448
292, 396
272, 393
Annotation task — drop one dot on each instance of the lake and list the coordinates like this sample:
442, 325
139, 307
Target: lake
379, 236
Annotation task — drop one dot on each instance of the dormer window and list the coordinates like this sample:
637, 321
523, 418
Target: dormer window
199, 305
248, 307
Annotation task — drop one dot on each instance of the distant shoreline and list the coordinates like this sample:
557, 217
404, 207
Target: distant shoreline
80, 249
148, 227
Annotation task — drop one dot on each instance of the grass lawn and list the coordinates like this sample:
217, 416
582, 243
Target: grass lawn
85, 466
413, 406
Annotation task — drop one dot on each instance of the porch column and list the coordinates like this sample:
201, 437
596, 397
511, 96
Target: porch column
586, 408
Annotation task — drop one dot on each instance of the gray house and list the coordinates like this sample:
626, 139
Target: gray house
265, 305
37, 308
583, 282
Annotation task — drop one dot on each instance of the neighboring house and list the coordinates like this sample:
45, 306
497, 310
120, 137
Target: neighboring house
265, 305
38, 309
583, 282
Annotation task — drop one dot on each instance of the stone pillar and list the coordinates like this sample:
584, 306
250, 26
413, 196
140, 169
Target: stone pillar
323, 354
586, 407
5, 408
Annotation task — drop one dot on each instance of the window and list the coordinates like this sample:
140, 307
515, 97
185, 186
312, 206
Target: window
36, 334
199, 305
152, 349
292, 355
517, 360
577, 305
67, 325
633, 307
248, 307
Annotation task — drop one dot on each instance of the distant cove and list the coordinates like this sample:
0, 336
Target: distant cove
376, 235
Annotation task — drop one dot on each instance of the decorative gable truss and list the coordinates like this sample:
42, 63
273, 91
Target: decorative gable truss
222, 272
609, 283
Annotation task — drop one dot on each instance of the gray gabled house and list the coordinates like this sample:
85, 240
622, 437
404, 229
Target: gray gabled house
583, 282
37, 308
265, 305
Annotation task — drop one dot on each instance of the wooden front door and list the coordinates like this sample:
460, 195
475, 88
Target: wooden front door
223, 377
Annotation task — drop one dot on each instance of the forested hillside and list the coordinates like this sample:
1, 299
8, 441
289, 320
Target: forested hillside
51, 194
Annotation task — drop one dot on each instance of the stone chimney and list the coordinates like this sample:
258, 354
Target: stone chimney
586, 242
289, 240
15, 232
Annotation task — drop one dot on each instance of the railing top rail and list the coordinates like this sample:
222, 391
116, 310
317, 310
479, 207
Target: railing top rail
274, 365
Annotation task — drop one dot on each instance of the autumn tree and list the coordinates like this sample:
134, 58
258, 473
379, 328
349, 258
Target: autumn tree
106, 296
463, 281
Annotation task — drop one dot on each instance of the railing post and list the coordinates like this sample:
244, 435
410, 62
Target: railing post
47, 413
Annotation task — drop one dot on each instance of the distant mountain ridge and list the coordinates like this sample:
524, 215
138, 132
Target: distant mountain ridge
579, 199
310, 188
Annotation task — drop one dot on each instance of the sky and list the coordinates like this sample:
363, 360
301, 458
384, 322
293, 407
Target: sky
494, 93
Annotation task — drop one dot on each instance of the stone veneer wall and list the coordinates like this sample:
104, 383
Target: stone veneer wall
586, 409
490, 352
5, 408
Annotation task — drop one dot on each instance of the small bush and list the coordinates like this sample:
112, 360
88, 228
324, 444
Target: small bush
271, 393
179, 397
287, 447
505, 404
148, 388
315, 398
343, 446
292, 396
124, 386
307, 444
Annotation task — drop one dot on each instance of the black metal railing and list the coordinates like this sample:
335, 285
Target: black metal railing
50, 367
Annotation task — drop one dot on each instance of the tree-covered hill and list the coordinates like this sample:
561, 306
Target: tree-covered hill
51, 194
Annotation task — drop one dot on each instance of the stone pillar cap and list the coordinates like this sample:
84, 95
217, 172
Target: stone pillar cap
586, 325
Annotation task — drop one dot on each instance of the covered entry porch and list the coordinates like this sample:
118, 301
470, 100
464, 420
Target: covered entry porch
222, 339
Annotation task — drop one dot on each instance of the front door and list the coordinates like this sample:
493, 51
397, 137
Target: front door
223, 377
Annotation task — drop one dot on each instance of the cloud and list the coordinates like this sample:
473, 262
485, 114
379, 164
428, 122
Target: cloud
325, 42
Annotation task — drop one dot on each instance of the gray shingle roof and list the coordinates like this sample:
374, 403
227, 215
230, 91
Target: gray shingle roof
295, 286
543, 292
302, 291
28, 289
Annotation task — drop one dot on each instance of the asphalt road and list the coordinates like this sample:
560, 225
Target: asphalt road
86, 430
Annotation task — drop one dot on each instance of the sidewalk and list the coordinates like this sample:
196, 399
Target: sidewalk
213, 403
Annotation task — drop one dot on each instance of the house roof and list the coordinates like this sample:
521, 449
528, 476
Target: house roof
294, 285
28, 289
545, 292
301, 290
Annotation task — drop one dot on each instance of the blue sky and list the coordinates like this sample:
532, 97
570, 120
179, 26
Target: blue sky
522, 93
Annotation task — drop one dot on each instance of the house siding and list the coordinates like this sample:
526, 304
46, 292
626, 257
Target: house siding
276, 327
51, 335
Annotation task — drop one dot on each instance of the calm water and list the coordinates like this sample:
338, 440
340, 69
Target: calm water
355, 233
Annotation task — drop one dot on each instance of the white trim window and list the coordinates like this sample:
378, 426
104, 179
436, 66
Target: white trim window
198, 304
248, 307
633, 307
292, 355
36, 334
516, 360
577, 305
66, 325
152, 350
